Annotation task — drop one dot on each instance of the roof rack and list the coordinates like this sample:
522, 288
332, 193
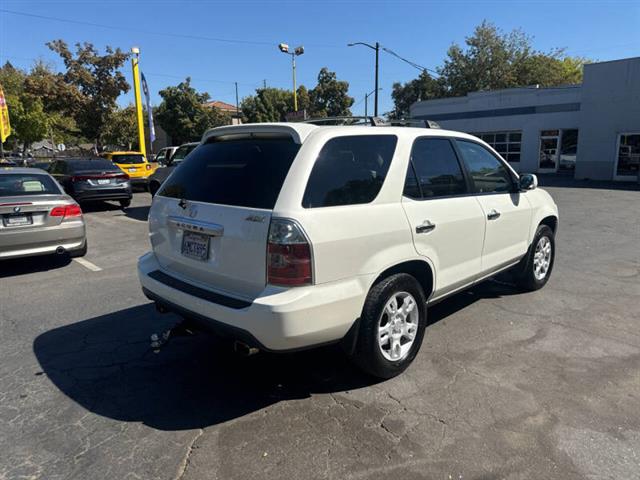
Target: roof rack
371, 121
414, 122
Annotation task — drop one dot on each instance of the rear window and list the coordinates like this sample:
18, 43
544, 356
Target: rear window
127, 158
349, 170
88, 165
16, 184
245, 172
182, 152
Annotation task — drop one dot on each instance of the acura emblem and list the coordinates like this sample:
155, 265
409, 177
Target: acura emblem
182, 203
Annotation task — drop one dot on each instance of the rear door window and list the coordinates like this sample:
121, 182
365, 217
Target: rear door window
349, 170
247, 172
91, 165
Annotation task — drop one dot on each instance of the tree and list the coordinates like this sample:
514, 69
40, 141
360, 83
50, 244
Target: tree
121, 128
98, 82
425, 87
183, 115
29, 122
329, 97
268, 105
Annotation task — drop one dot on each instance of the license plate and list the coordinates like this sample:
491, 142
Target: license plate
15, 220
195, 245
133, 169
103, 181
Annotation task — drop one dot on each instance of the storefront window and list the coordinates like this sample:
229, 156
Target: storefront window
628, 155
568, 150
507, 144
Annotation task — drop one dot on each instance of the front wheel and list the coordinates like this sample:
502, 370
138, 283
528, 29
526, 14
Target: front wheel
391, 327
535, 268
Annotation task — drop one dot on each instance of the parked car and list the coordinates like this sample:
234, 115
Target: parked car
7, 163
163, 157
161, 173
41, 165
92, 179
133, 164
288, 236
37, 217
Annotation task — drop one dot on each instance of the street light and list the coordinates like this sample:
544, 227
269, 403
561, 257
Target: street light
284, 48
366, 100
377, 50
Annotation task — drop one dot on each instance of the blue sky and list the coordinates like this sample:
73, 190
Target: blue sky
176, 38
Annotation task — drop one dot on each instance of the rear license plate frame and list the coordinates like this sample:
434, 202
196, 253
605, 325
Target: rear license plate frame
195, 246
25, 219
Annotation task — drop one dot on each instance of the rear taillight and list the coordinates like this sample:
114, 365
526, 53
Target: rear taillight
66, 211
289, 259
122, 176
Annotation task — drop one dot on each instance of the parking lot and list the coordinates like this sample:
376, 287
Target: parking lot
507, 385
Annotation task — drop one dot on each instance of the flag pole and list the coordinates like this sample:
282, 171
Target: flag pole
136, 90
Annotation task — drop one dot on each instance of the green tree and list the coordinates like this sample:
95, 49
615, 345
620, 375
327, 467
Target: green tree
329, 97
29, 121
121, 128
267, 105
183, 115
98, 82
425, 87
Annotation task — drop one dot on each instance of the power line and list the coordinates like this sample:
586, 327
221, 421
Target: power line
149, 32
413, 64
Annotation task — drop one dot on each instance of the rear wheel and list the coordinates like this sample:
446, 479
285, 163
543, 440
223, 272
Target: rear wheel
534, 270
391, 327
125, 203
153, 188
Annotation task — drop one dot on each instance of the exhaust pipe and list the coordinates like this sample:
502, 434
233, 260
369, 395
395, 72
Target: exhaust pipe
60, 251
243, 349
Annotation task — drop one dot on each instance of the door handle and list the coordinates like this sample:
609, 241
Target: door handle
493, 214
425, 227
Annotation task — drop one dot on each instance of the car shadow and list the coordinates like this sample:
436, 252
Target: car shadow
106, 364
24, 266
138, 213
99, 206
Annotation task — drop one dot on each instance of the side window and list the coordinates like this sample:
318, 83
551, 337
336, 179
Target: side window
437, 168
487, 173
349, 170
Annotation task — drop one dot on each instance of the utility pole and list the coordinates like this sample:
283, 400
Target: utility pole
264, 83
135, 60
237, 102
376, 48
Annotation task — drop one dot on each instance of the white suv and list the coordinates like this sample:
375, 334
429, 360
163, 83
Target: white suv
288, 236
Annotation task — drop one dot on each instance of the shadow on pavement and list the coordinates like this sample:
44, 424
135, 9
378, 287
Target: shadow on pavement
565, 181
106, 365
138, 213
99, 206
27, 265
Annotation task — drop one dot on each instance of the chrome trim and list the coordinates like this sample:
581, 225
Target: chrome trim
197, 226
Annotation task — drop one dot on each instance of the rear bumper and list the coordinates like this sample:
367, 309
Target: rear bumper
98, 194
42, 241
277, 320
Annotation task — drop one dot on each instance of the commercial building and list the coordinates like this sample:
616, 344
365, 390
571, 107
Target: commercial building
591, 130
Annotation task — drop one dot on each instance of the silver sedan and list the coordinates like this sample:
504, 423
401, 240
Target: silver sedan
37, 217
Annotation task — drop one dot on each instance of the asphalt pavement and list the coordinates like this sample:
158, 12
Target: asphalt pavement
542, 385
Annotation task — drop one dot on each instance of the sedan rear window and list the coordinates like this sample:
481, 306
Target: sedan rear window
246, 172
127, 159
16, 184
90, 165
349, 170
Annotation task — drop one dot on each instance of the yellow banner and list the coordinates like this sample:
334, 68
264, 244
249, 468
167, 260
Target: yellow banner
5, 126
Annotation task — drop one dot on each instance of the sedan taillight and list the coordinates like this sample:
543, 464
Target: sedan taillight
289, 258
66, 211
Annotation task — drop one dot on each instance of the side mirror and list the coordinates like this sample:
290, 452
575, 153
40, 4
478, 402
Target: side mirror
528, 181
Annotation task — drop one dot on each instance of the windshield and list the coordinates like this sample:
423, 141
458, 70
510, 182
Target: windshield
244, 173
128, 158
16, 184
182, 152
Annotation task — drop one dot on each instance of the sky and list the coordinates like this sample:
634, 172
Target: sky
217, 43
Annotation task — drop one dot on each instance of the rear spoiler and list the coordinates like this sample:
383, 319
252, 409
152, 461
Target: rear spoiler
297, 131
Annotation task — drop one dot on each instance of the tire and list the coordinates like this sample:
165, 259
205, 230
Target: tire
81, 252
534, 270
125, 203
373, 355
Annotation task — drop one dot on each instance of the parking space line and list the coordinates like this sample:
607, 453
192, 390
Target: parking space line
87, 264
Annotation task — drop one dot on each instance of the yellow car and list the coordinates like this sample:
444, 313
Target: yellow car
133, 164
